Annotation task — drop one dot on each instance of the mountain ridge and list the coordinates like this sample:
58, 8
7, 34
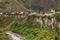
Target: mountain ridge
25, 5
13, 6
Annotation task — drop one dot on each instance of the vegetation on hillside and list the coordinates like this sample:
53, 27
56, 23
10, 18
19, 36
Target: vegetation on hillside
11, 6
29, 29
57, 17
4, 22
33, 31
3, 36
46, 4
24, 5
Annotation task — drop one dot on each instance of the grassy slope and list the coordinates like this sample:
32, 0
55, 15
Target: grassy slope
12, 5
16, 6
3, 36
33, 31
29, 30
3, 27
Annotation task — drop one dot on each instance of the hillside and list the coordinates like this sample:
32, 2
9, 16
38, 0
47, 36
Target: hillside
46, 4
24, 5
12, 5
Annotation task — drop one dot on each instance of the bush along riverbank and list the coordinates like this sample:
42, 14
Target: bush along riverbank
3, 36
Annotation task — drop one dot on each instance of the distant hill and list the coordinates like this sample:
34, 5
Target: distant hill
47, 4
25, 5
12, 6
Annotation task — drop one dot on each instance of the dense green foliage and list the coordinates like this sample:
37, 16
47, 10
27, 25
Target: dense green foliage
3, 36
29, 29
33, 31
3, 24
57, 16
